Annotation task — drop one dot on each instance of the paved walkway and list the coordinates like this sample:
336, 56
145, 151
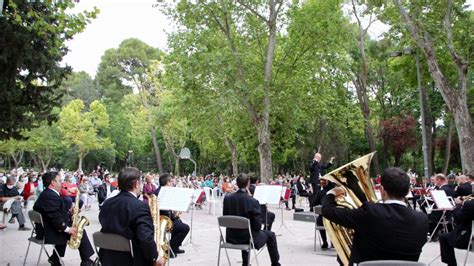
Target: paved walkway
296, 247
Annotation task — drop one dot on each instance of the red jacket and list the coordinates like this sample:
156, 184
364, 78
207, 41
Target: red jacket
27, 190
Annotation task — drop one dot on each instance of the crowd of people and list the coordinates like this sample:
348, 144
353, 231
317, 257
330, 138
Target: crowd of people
123, 203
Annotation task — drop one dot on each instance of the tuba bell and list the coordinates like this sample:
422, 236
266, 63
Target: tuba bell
354, 178
162, 226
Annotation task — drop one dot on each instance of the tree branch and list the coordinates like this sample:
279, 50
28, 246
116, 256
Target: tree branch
248, 7
460, 63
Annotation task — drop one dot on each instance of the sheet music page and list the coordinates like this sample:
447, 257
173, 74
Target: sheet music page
175, 198
274, 194
260, 194
441, 200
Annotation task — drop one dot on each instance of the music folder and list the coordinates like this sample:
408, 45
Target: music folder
268, 194
175, 198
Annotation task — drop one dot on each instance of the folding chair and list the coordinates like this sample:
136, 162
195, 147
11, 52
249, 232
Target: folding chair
35, 218
317, 211
235, 222
210, 199
391, 263
113, 242
469, 246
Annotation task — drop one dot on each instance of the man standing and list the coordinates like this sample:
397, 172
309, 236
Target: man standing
105, 189
57, 221
10, 199
317, 170
383, 231
242, 204
129, 217
180, 229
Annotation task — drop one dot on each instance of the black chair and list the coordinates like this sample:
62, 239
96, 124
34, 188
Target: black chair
35, 218
113, 242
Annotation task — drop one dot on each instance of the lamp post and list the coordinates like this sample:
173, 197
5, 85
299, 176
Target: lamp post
424, 148
185, 154
130, 158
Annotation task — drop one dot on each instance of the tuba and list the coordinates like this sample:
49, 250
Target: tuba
354, 178
162, 225
78, 222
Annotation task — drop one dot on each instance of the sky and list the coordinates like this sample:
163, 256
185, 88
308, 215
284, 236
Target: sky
122, 19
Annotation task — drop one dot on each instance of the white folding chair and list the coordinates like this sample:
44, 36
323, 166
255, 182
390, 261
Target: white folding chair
469, 246
235, 222
210, 199
35, 218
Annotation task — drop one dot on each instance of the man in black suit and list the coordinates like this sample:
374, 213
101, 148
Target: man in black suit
441, 183
464, 187
129, 217
57, 221
316, 169
180, 229
324, 187
242, 204
105, 189
268, 217
459, 237
383, 231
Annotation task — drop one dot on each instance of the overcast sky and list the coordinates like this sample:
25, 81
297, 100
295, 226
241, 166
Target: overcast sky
122, 19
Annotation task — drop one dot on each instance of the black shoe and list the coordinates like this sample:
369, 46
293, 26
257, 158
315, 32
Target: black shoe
324, 246
179, 251
53, 263
87, 263
173, 255
24, 228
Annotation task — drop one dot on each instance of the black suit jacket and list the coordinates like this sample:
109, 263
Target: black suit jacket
316, 169
463, 190
448, 189
55, 218
102, 192
242, 204
127, 216
382, 231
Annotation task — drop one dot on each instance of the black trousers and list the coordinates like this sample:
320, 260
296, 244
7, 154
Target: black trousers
447, 250
260, 239
85, 250
319, 222
180, 231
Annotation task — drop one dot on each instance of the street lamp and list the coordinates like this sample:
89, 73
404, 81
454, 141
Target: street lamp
424, 148
130, 158
185, 154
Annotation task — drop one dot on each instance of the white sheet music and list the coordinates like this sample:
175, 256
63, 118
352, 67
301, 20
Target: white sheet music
268, 194
175, 198
409, 195
441, 200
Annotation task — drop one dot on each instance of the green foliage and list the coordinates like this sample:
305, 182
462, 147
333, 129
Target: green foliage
32, 44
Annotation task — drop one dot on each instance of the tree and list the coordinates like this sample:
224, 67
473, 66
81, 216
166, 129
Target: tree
453, 42
82, 129
15, 149
33, 40
399, 135
79, 85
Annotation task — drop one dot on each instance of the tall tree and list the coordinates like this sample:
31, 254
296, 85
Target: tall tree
33, 36
423, 22
81, 128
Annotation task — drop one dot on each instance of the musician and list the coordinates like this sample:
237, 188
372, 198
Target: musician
301, 187
129, 217
464, 187
316, 168
324, 187
242, 204
441, 183
460, 236
268, 217
57, 222
105, 189
383, 231
180, 229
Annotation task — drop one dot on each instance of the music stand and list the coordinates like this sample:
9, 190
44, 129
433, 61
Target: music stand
443, 203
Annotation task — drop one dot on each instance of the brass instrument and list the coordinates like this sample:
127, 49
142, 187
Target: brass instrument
162, 225
78, 222
354, 178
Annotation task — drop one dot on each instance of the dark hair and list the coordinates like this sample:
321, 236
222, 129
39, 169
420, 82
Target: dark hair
164, 178
128, 177
253, 180
242, 180
106, 176
48, 177
396, 182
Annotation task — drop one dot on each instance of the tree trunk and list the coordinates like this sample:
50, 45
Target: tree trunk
81, 158
427, 127
235, 155
447, 150
156, 148
455, 98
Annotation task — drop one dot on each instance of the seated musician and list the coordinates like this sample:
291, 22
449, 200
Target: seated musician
459, 237
383, 231
268, 217
129, 217
324, 187
57, 222
242, 204
441, 183
464, 187
180, 229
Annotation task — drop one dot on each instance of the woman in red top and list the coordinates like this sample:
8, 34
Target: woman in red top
29, 191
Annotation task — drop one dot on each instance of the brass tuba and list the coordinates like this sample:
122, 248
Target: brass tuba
354, 178
78, 222
162, 225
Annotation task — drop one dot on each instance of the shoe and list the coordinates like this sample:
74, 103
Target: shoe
12, 220
288, 209
24, 228
87, 263
3, 226
179, 251
173, 255
324, 246
50, 261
